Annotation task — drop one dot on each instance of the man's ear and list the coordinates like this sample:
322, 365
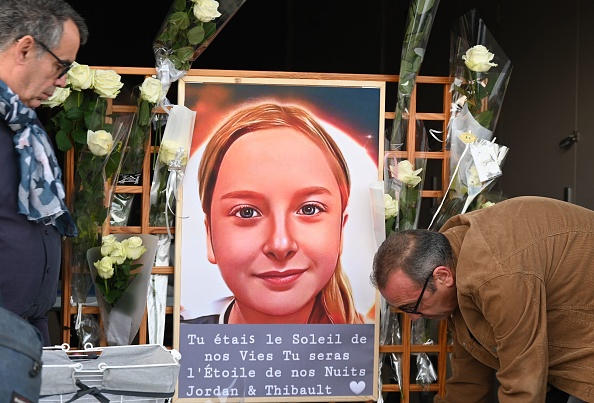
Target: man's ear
443, 275
209, 250
24, 47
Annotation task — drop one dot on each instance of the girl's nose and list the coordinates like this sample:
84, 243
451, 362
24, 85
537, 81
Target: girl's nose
280, 244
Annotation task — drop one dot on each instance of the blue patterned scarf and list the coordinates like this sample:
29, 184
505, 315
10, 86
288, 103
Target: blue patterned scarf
41, 191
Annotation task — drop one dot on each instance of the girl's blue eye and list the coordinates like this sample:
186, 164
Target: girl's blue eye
310, 209
247, 212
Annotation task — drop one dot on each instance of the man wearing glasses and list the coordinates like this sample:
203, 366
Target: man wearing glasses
516, 283
39, 40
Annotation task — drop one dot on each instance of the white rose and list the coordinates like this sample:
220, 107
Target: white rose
58, 97
478, 58
118, 253
107, 83
168, 152
390, 206
134, 247
80, 76
104, 267
407, 175
107, 243
151, 90
206, 10
99, 142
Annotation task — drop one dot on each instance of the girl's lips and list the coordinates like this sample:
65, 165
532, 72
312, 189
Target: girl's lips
281, 277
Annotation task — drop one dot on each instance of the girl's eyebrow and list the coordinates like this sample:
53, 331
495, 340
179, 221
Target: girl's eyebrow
250, 194
241, 194
315, 190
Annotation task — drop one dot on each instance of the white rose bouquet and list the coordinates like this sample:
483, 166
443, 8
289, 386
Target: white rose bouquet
172, 157
120, 269
421, 15
80, 124
114, 269
189, 27
174, 150
480, 71
83, 104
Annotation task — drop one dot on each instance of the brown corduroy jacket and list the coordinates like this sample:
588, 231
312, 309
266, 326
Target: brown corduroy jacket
525, 282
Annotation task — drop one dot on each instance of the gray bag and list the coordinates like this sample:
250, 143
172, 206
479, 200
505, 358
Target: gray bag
20, 359
141, 373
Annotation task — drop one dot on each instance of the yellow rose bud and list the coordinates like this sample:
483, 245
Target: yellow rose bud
206, 10
99, 142
151, 90
58, 97
478, 58
107, 83
104, 267
80, 76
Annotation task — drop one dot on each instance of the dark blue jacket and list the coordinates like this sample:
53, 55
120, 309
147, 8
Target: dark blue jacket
30, 253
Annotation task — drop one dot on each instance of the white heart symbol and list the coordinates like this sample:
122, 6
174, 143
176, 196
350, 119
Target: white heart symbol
357, 387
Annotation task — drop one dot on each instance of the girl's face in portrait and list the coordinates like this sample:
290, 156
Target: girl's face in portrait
276, 225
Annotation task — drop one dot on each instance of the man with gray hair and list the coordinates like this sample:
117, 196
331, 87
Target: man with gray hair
516, 283
39, 40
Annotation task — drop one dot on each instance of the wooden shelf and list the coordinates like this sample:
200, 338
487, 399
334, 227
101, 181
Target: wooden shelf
407, 350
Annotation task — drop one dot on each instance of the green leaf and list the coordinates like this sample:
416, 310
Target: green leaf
209, 29
74, 100
184, 54
63, 141
144, 114
112, 163
409, 202
80, 136
485, 118
196, 35
74, 113
180, 20
462, 91
60, 120
179, 5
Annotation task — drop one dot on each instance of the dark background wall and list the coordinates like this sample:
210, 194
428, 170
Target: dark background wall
549, 43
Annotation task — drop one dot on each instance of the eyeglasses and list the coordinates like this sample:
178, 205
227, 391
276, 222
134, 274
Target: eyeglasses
66, 66
413, 310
